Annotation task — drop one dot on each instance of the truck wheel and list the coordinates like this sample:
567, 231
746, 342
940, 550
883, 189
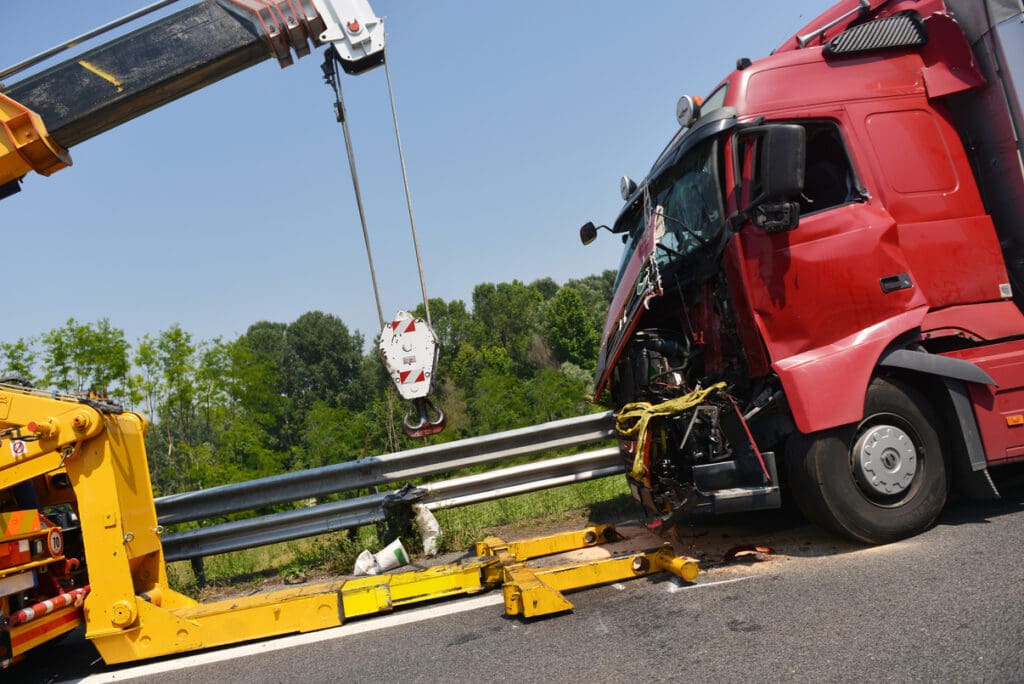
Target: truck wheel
875, 481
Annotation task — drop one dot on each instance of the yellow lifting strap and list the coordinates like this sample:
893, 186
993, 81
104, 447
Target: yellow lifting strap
25, 145
633, 419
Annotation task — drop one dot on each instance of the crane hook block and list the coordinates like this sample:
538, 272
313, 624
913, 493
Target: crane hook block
408, 348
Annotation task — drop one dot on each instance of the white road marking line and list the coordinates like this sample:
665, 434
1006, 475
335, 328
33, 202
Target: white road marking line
674, 586
277, 644
361, 627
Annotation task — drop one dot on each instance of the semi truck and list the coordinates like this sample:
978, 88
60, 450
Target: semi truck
823, 276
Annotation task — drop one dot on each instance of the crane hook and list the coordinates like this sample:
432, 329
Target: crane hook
423, 419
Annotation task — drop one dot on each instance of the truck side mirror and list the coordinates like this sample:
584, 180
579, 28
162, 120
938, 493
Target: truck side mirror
770, 160
588, 232
782, 162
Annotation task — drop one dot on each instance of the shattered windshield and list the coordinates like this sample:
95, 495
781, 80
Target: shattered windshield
685, 205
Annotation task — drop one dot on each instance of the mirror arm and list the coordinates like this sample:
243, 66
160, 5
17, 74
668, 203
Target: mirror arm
737, 220
777, 217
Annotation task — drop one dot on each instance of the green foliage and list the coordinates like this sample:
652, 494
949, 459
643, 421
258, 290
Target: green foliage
506, 316
289, 396
568, 328
321, 362
18, 358
79, 357
594, 500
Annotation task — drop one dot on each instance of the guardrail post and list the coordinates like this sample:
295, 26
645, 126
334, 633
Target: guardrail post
199, 570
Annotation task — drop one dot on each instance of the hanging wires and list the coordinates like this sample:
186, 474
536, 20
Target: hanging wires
331, 78
408, 196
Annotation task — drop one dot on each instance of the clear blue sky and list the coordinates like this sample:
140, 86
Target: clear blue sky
234, 204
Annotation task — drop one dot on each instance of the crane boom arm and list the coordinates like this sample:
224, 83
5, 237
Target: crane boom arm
162, 61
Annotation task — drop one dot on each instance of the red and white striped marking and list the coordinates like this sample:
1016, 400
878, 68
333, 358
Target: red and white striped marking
75, 596
403, 325
407, 377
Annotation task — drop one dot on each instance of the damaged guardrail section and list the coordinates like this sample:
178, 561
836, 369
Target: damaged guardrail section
388, 469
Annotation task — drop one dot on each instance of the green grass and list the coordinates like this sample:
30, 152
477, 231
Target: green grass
333, 554
461, 527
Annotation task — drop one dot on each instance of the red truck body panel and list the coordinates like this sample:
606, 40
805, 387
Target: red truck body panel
999, 409
815, 291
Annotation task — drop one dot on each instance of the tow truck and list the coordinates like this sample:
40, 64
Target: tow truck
823, 276
80, 543
73, 472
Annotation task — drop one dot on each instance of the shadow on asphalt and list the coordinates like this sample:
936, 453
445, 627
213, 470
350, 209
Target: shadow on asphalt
788, 533
1009, 480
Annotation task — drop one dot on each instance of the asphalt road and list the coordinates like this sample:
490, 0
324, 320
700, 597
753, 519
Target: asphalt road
947, 605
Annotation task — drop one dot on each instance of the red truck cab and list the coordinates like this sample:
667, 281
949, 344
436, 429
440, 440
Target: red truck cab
834, 242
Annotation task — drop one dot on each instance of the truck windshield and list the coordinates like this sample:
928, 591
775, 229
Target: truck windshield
685, 204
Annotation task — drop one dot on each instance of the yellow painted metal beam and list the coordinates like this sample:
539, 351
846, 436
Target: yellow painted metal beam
546, 545
533, 592
25, 145
368, 595
154, 629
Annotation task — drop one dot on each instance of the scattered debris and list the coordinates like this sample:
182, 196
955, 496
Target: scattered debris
390, 557
747, 552
428, 527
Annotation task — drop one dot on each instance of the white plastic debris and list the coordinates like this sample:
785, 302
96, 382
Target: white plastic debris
366, 564
392, 556
429, 529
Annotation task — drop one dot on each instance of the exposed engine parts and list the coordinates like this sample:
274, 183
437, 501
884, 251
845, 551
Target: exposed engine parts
687, 445
679, 452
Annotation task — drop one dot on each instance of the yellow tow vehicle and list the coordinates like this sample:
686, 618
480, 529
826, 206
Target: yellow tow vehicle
80, 544
83, 459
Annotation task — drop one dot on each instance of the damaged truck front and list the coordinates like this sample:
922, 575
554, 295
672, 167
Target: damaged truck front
819, 276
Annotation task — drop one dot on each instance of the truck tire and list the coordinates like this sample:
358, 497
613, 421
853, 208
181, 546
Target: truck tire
876, 481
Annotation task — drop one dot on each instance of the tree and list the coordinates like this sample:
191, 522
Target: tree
547, 287
596, 292
322, 362
471, 363
78, 357
499, 402
569, 329
170, 357
144, 386
259, 363
19, 358
553, 394
331, 435
505, 315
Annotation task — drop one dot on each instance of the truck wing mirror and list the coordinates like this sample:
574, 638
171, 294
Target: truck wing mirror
782, 162
770, 160
588, 232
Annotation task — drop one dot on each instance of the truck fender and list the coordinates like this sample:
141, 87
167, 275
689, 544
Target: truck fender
969, 466
933, 364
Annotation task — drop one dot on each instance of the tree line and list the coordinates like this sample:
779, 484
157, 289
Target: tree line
289, 396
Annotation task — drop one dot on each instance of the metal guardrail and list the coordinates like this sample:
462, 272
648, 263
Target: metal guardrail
387, 469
